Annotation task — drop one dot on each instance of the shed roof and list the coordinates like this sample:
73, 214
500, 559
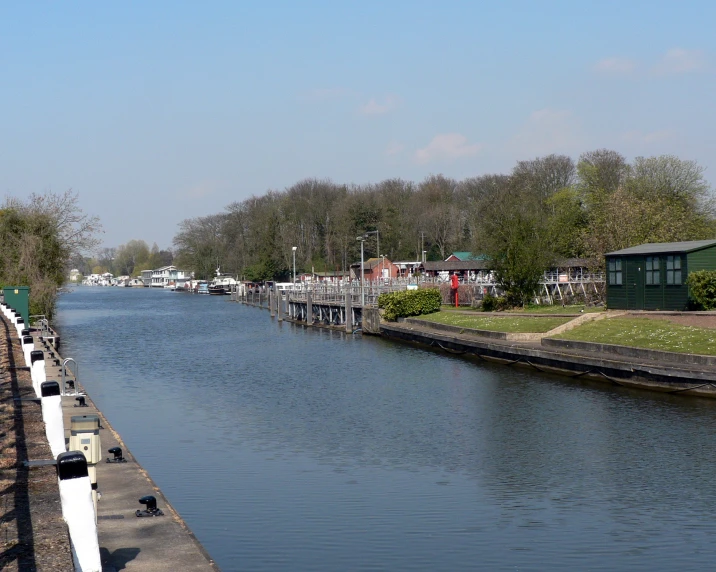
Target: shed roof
663, 247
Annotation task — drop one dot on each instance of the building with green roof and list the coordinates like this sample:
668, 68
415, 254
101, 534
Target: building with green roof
653, 276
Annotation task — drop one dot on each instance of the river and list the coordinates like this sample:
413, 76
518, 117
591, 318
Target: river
288, 448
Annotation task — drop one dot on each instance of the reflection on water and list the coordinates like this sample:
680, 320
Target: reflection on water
287, 448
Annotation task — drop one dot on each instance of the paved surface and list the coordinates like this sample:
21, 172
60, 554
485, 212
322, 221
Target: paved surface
158, 544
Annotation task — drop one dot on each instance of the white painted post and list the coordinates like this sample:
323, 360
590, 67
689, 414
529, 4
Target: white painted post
78, 510
37, 370
51, 402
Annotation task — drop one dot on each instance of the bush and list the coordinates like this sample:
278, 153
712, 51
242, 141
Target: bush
702, 289
409, 303
492, 303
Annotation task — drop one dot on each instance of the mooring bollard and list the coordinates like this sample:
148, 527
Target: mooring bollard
51, 402
78, 510
37, 370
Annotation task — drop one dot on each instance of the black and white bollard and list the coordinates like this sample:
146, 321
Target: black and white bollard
19, 325
78, 510
37, 370
28, 345
51, 402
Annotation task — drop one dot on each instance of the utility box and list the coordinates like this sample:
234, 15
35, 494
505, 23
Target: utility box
18, 298
84, 437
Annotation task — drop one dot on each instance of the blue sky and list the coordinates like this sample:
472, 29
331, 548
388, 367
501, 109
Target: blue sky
160, 111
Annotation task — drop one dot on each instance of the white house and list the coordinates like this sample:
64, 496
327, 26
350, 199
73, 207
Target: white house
166, 275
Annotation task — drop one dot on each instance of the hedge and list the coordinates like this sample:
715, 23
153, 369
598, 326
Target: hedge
409, 303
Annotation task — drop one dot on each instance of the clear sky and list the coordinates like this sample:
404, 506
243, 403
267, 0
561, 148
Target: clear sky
160, 111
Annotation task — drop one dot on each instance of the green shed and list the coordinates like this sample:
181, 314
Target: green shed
653, 276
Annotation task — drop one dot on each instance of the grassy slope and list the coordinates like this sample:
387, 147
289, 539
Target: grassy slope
646, 333
515, 324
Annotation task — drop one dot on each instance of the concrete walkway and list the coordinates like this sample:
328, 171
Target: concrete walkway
154, 544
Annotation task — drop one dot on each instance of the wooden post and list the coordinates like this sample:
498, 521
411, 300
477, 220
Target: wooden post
349, 314
279, 307
271, 303
309, 309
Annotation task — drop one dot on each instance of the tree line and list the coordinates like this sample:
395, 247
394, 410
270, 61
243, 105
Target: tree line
124, 260
39, 237
545, 209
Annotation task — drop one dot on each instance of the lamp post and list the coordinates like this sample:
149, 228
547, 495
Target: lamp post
362, 271
294, 266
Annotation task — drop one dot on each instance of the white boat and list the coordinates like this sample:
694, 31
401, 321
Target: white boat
222, 283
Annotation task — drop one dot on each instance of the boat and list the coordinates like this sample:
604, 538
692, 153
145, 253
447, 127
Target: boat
222, 284
202, 288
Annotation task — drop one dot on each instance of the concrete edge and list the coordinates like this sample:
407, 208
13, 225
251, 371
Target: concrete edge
631, 352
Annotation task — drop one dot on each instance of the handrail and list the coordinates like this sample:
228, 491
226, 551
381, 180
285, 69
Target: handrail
75, 372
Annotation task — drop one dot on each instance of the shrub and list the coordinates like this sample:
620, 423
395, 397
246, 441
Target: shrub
702, 288
492, 303
409, 303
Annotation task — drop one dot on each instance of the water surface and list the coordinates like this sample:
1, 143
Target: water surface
286, 448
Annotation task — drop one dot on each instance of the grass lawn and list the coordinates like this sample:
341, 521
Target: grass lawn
513, 324
556, 309
646, 333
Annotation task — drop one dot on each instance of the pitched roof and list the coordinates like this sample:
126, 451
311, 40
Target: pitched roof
465, 256
663, 247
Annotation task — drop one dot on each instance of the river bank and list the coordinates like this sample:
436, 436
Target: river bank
34, 534
667, 372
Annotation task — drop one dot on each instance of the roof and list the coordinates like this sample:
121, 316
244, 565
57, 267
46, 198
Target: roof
372, 263
663, 247
438, 265
465, 256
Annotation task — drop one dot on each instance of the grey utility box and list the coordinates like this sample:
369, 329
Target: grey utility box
84, 437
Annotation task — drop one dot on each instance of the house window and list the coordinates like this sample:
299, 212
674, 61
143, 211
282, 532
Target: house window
652, 271
615, 272
673, 269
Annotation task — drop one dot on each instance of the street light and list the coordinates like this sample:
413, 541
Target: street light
362, 271
294, 265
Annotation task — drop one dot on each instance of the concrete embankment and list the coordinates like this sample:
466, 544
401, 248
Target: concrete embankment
617, 365
156, 543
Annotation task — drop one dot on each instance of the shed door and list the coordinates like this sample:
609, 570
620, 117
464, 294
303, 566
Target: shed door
635, 284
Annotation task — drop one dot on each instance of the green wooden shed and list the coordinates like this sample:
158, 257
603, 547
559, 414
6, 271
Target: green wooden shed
653, 276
